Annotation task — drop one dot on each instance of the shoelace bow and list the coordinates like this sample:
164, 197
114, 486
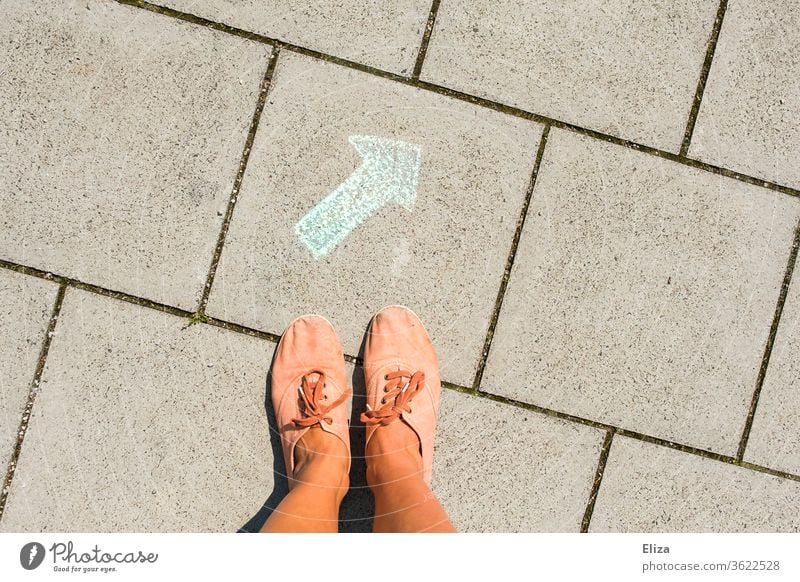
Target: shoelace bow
399, 394
311, 393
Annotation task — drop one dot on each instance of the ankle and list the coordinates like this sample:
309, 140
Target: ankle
321, 460
393, 454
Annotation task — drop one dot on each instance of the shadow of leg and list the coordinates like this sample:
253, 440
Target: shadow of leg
281, 485
355, 513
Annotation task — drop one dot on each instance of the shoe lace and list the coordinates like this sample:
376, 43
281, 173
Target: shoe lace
314, 411
399, 393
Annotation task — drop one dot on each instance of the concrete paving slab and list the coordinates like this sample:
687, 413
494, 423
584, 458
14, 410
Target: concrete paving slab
381, 33
143, 425
650, 488
625, 68
26, 304
642, 293
126, 129
748, 116
498, 468
439, 247
775, 436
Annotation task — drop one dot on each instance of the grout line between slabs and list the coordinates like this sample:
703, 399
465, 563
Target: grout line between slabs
237, 184
32, 393
34, 272
426, 39
622, 431
704, 72
141, 302
461, 96
501, 292
598, 479
773, 332
237, 328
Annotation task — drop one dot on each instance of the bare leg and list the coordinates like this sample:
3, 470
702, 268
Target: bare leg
403, 501
320, 482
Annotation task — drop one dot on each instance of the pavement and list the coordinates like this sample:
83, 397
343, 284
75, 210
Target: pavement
594, 208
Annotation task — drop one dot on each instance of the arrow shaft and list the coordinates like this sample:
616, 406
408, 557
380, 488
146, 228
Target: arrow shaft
341, 211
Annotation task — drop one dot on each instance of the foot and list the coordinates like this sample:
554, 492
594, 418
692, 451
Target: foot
310, 398
403, 386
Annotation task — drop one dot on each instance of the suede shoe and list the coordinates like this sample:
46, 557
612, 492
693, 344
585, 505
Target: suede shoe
309, 385
402, 378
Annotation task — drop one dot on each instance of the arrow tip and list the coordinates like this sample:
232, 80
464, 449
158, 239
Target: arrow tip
395, 161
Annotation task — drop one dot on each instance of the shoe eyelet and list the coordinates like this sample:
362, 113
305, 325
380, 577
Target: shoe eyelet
385, 388
383, 401
386, 376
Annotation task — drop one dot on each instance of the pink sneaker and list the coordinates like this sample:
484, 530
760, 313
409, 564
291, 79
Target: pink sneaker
402, 378
309, 385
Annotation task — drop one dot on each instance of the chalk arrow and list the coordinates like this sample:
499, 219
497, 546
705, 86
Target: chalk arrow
388, 173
